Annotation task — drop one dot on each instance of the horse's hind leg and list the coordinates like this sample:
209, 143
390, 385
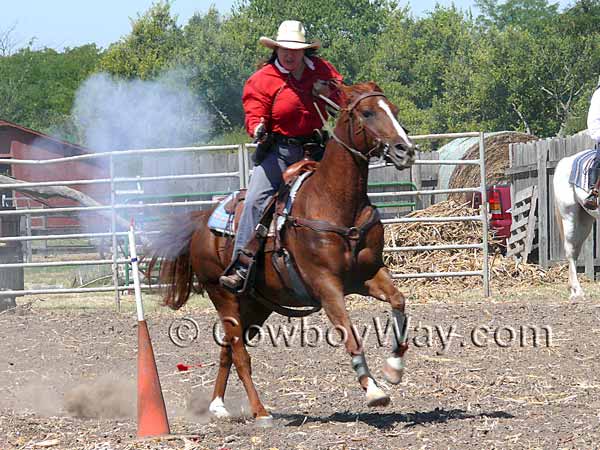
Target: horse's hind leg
228, 307
576, 226
217, 405
382, 288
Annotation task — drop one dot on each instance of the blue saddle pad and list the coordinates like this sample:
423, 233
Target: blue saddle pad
580, 170
220, 220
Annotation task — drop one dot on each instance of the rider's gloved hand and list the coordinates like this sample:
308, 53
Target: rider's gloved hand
260, 131
321, 87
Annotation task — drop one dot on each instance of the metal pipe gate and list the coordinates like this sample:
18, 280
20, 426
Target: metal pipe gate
242, 174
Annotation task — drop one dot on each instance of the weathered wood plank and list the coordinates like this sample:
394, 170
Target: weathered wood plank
542, 188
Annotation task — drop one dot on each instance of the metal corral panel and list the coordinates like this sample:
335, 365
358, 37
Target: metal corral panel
456, 149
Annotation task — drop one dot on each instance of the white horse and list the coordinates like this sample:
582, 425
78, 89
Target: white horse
575, 221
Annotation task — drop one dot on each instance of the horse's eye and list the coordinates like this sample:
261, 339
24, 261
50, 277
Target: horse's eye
367, 113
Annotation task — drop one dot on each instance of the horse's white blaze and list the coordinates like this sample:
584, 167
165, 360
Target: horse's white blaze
217, 407
396, 363
383, 105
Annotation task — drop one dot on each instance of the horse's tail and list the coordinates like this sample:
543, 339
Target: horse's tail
560, 222
172, 250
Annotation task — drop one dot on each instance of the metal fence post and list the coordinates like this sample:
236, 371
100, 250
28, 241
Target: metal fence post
246, 166
484, 216
113, 229
242, 166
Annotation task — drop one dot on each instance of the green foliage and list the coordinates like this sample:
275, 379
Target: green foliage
220, 56
531, 15
235, 136
416, 61
223, 52
38, 86
521, 65
155, 37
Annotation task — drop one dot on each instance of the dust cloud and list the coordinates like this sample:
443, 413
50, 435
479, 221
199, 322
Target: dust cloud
106, 397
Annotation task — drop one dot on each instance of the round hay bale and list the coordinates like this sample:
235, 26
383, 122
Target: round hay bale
496, 162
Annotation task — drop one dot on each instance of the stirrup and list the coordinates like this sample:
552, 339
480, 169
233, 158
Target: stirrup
236, 281
591, 201
238, 276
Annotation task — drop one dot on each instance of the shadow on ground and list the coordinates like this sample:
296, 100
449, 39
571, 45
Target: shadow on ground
388, 420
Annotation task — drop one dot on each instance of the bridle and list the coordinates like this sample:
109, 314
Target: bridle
363, 127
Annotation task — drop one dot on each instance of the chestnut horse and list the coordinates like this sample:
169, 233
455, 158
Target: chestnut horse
333, 262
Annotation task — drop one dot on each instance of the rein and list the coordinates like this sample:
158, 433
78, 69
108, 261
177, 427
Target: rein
349, 109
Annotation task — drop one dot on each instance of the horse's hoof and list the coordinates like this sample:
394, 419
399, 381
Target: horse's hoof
376, 396
381, 399
393, 370
217, 408
264, 421
574, 298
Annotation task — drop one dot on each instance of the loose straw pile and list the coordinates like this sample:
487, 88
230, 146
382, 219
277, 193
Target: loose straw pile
504, 272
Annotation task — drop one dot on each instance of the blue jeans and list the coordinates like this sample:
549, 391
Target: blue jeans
264, 182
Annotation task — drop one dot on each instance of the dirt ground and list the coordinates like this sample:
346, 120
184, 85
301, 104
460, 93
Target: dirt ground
67, 379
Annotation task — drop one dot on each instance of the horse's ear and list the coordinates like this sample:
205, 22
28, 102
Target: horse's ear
374, 86
334, 83
345, 94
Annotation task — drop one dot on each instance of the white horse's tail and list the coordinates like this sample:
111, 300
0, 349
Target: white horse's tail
560, 222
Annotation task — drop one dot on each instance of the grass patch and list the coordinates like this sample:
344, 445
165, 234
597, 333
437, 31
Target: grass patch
238, 136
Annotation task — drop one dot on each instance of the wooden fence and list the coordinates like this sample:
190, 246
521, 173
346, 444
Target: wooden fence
10, 278
532, 164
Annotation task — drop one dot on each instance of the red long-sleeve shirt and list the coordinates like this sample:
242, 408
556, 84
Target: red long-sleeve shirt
291, 111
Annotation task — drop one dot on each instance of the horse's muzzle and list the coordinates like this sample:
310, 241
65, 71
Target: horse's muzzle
401, 155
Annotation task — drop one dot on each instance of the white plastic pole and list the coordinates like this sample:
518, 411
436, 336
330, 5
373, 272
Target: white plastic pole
136, 275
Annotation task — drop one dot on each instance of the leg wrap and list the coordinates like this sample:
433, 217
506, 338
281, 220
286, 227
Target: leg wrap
399, 328
359, 364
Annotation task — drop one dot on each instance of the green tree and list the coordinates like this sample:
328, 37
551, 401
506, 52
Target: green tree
155, 37
412, 60
222, 52
220, 55
348, 29
532, 15
38, 86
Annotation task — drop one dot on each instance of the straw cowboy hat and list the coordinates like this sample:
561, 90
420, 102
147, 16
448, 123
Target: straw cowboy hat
291, 35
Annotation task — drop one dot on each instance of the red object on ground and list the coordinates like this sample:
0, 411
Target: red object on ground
152, 414
182, 367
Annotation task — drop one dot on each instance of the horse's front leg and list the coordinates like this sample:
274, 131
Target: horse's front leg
332, 298
382, 288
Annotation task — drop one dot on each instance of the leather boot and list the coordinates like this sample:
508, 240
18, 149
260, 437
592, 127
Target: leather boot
234, 282
591, 201
236, 274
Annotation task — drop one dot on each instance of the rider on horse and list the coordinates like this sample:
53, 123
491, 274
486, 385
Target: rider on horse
279, 103
593, 123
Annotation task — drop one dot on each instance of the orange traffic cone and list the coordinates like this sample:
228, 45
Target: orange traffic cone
152, 414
